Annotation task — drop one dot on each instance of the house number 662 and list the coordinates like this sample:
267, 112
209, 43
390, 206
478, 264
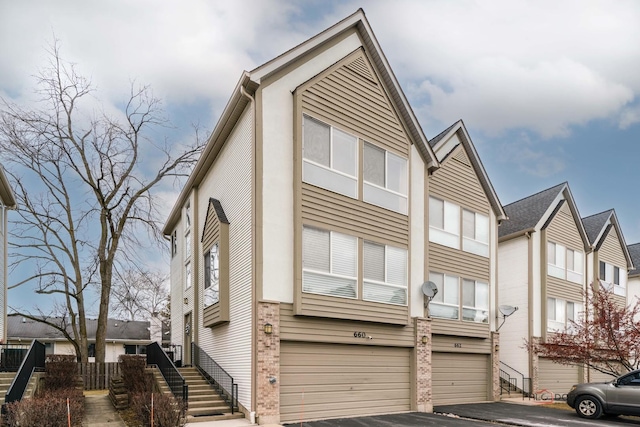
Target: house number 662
359, 334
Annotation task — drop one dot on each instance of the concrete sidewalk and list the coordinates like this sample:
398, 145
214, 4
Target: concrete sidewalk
99, 411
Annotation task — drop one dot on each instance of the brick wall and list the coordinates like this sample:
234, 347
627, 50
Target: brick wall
268, 364
422, 366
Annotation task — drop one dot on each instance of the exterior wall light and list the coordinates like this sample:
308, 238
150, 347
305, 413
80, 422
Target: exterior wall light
268, 328
425, 339
186, 300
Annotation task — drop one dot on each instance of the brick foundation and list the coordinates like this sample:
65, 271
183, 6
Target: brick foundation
268, 364
422, 366
495, 366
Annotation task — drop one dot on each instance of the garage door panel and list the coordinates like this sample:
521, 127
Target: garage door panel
555, 377
460, 378
334, 380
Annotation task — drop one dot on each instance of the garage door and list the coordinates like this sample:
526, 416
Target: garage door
556, 378
460, 378
321, 381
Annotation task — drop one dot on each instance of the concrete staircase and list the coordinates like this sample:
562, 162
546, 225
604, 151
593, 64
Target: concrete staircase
205, 404
6, 378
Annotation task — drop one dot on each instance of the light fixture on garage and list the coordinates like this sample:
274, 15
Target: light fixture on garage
506, 311
268, 328
186, 300
425, 339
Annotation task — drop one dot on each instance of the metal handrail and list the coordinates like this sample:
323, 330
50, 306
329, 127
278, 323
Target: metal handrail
507, 383
177, 384
33, 361
526, 382
218, 377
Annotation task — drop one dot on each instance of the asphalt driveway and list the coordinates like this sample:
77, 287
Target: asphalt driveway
479, 415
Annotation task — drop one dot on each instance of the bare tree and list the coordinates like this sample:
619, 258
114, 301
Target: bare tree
84, 182
139, 294
606, 338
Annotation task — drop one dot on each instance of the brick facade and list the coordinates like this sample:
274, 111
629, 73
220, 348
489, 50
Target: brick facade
535, 386
422, 366
268, 364
495, 366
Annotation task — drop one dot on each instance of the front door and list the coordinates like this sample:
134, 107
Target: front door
188, 334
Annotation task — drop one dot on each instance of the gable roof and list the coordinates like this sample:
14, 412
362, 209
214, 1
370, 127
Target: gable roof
6, 193
598, 226
118, 330
634, 252
439, 142
526, 214
250, 81
217, 208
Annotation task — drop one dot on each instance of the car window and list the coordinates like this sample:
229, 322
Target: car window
632, 379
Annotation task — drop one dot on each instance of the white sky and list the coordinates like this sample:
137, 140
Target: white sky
548, 89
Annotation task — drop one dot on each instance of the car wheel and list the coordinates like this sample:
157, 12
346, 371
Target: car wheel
589, 407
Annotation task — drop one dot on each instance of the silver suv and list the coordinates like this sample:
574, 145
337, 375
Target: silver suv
618, 397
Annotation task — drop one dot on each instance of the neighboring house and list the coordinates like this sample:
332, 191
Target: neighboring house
542, 257
464, 213
123, 336
7, 201
608, 264
633, 281
300, 243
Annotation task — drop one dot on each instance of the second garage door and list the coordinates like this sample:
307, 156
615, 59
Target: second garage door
555, 378
460, 378
321, 381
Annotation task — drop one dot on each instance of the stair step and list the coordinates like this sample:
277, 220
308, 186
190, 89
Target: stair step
221, 417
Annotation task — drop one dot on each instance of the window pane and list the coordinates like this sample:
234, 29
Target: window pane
316, 141
468, 293
207, 269
386, 199
396, 266
468, 224
328, 285
602, 270
551, 309
451, 290
315, 249
570, 260
616, 275
482, 295
452, 218
436, 213
396, 173
571, 315
551, 253
373, 261
187, 283
344, 152
577, 263
329, 179
560, 310
482, 228
438, 279
560, 256
444, 311
344, 254
373, 164
386, 294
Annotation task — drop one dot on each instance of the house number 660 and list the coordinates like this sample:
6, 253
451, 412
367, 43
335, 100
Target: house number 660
359, 334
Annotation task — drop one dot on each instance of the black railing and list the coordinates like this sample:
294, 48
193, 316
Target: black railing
513, 374
157, 356
507, 383
34, 361
218, 377
174, 351
11, 356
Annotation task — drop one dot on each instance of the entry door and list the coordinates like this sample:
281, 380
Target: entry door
188, 339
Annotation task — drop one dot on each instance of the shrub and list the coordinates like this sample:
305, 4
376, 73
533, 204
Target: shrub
61, 371
167, 410
134, 375
47, 409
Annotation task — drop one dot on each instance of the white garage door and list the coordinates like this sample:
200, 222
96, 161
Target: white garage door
460, 378
319, 381
556, 378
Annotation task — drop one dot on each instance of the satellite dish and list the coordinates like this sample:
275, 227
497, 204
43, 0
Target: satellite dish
429, 289
507, 310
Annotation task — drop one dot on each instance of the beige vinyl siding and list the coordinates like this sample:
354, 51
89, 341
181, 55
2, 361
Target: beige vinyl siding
460, 328
556, 378
230, 181
457, 182
350, 97
460, 378
460, 344
217, 232
319, 381
300, 328
3, 276
611, 250
563, 289
563, 230
443, 259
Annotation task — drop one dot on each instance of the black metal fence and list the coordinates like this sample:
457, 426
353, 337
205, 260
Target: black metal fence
218, 377
157, 356
11, 356
511, 375
174, 351
34, 361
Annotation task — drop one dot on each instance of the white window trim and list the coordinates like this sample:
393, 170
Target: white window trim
477, 247
446, 304
386, 278
436, 233
386, 180
475, 284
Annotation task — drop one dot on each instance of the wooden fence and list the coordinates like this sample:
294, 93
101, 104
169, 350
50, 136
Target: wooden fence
96, 376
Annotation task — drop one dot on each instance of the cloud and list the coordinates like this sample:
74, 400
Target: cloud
532, 157
629, 117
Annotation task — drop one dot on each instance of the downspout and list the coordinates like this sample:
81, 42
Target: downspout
254, 303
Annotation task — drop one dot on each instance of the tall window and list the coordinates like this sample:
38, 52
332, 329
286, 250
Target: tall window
475, 232
561, 314
475, 301
212, 275
385, 179
575, 266
329, 158
329, 263
446, 303
444, 223
385, 274
613, 278
565, 263
187, 282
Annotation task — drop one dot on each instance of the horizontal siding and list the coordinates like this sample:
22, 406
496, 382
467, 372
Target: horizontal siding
302, 328
212, 315
443, 259
457, 182
319, 381
563, 289
212, 230
460, 328
563, 230
451, 344
337, 212
611, 250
